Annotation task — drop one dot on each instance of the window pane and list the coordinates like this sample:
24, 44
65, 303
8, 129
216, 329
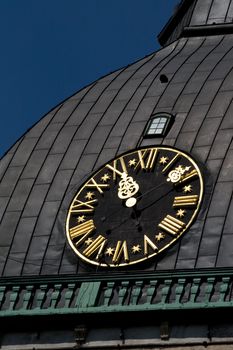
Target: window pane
163, 120
158, 125
161, 125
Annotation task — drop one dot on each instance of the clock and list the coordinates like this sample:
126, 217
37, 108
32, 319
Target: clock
135, 207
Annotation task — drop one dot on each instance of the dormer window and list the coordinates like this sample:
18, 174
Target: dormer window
159, 125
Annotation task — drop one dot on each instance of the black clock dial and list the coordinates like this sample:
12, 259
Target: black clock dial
134, 207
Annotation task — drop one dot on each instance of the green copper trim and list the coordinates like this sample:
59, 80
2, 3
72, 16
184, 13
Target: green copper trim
120, 292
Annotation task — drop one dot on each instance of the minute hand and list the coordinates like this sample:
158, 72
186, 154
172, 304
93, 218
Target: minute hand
153, 189
157, 199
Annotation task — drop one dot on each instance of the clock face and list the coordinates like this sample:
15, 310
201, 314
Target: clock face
134, 207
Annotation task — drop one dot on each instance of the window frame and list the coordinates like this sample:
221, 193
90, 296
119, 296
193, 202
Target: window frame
167, 126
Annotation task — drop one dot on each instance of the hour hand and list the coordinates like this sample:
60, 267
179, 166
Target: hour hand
128, 187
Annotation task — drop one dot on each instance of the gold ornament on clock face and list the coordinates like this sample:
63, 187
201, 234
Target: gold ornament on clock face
134, 207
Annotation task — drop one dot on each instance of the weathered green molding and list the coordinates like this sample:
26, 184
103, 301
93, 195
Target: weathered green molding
116, 276
118, 292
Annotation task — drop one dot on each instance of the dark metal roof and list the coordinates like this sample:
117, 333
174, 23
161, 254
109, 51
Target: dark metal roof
198, 18
42, 171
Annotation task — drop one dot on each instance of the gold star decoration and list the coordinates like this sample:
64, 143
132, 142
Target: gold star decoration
89, 195
109, 251
106, 177
163, 160
88, 241
81, 219
132, 162
187, 189
181, 213
160, 236
136, 249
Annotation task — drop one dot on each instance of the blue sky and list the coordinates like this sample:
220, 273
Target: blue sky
52, 48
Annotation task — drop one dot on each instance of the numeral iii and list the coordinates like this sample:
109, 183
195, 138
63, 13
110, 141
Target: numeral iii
185, 201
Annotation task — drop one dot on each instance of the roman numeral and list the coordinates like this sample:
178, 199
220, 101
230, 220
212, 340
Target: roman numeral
146, 159
171, 163
116, 170
185, 201
121, 250
188, 177
172, 225
92, 183
81, 229
96, 247
148, 243
83, 207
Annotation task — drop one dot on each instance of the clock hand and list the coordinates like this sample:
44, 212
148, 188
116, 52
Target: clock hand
157, 199
137, 223
135, 216
128, 187
136, 211
139, 197
140, 210
153, 189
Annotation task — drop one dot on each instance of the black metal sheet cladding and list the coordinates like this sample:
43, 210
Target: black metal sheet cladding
191, 15
41, 172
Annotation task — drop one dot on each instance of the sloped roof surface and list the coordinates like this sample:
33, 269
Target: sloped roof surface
209, 11
42, 171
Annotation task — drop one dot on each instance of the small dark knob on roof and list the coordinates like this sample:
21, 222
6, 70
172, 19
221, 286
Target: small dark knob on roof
163, 78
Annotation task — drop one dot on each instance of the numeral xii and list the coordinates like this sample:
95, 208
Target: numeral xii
147, 159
